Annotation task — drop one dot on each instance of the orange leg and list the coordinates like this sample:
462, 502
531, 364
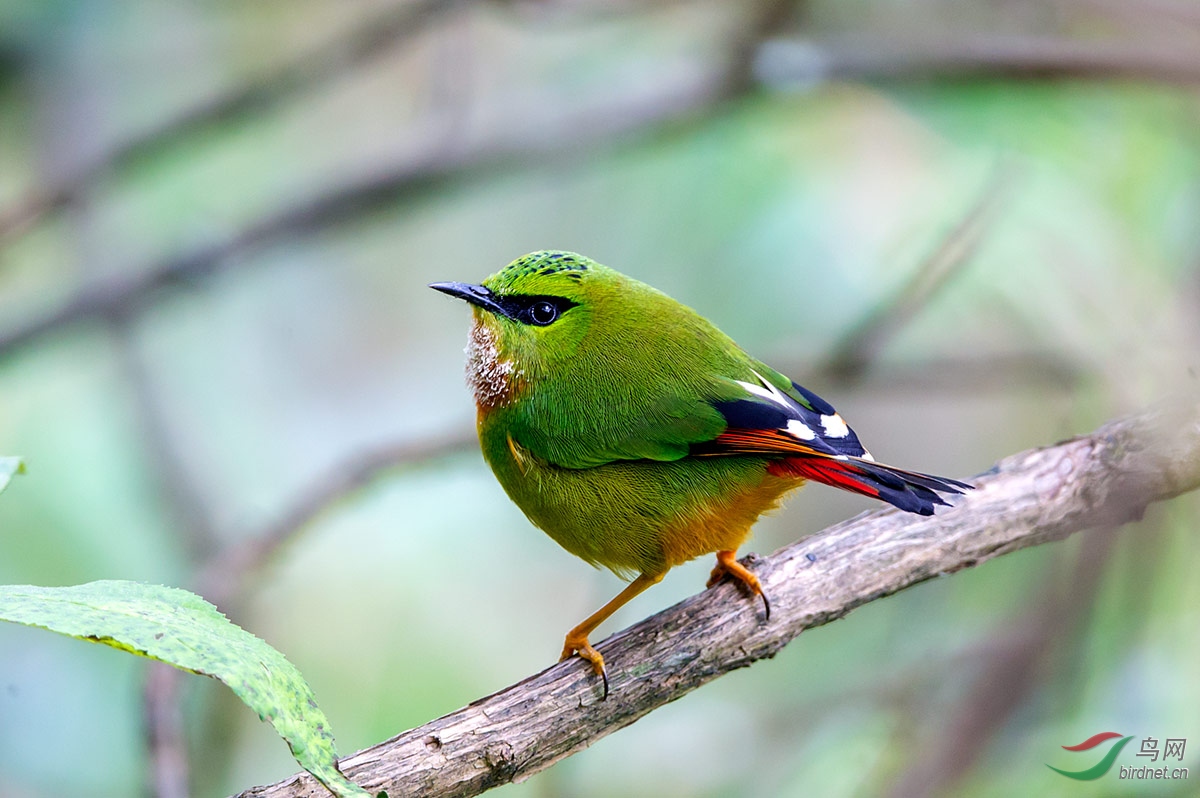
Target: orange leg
577, 638
727, 565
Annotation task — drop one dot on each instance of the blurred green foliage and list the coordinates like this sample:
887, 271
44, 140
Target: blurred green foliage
189, 420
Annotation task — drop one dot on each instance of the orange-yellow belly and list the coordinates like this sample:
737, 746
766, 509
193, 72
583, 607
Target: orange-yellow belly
723, 525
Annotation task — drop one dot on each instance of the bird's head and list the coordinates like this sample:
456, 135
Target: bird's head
530, 319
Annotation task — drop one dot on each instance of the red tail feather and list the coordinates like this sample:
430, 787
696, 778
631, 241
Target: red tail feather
838, 473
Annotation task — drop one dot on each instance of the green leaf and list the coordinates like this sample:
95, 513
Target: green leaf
9, 467
184, 630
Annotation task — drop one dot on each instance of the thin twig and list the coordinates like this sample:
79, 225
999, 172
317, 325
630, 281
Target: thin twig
226, 575
230, 570
852, 355
163, 726
804, 63
1103, 479
189, 510
163, 730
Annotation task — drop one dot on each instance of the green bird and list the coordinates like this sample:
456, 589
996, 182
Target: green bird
638, 435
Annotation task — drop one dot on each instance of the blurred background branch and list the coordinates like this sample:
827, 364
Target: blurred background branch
777, 62
1005, 681
803, 63
862, 344
231, 569
261, 94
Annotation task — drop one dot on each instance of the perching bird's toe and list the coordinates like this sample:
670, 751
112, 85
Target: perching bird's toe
579, 645
727, 565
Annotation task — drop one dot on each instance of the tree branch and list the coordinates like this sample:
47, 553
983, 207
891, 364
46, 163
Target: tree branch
1099, 480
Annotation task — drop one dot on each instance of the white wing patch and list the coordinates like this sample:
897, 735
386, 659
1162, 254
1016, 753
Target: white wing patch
799, 429
834, 426
768, 391
829, 430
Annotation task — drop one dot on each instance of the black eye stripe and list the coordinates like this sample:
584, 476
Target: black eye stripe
539, 311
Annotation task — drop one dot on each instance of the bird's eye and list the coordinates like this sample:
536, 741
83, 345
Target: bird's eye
542, 313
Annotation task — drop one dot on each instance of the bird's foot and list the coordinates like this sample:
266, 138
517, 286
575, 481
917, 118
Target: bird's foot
727, 565
578, 644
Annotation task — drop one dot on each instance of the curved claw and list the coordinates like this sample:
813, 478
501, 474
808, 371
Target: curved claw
727, 565
579, 646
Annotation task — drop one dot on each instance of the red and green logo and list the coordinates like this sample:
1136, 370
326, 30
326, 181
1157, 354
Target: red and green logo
1104, 765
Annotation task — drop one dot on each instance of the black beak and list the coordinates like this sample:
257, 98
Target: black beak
475, 294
